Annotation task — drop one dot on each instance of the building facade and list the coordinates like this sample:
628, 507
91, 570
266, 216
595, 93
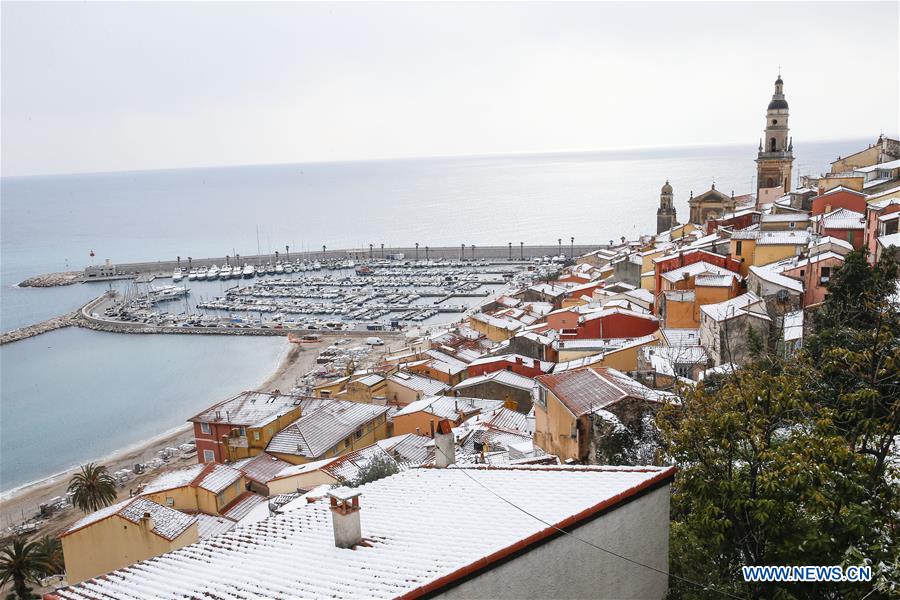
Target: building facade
775, 159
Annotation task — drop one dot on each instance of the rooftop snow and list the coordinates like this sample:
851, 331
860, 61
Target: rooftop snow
294, 555
251, 409
324, 423
583, 390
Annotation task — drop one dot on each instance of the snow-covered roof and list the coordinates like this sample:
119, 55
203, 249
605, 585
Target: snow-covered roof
370, 380
250, 409
709, 280
681, 336
445, 363
793, 326
322, 425
843, 218
409, 449
210, 525
419, 383
664, 359
514, 358
886, 241
784, 218
448, 407
294, 554
168, 523
745, 304
242, 505
502, 376
615, 310
174, 479
692, 270
583, 390
261, 467
773, 276
602, 344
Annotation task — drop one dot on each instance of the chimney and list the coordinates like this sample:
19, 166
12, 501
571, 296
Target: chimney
345, 516
444, 445
147, 521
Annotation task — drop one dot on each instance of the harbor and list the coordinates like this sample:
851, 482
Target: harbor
239, 266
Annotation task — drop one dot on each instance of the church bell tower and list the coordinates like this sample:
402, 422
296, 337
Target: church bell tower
665, 214
776, 151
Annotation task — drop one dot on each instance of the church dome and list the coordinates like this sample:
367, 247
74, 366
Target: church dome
667, 189
775, 104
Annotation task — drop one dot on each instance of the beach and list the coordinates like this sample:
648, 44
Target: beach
21, 503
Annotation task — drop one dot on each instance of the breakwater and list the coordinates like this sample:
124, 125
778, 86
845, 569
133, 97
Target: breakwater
22, 333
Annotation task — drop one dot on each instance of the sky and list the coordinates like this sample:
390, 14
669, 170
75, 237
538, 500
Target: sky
93, 87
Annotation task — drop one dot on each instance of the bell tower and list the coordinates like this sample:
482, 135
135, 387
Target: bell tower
665, 214
775, 158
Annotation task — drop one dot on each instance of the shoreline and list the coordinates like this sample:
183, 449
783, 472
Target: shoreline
22, 502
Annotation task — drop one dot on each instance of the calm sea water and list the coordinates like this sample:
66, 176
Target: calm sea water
66, 388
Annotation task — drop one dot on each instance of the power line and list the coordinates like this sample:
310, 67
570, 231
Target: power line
587, 542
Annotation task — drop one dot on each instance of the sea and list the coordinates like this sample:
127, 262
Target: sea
75, 395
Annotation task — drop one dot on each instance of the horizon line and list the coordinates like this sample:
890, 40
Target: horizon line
399, 158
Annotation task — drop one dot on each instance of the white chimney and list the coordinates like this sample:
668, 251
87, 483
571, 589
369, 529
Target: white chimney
345, 516
444, 445
147, 521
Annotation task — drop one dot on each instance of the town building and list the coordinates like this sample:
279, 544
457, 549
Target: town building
724, 327
711, 204
566, 404
242, 426
405, 388
328, 428
421, 417
510, 387
122, 534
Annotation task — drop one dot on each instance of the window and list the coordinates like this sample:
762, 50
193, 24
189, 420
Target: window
850, 237
542, 396
209, 456
359, 433
204, 427
243, 431
772, 145
739, 248
256, 436
792, 225
346, 443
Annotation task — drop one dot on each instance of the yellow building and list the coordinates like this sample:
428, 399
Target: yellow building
207, 487
366, 388
566, 402
621, 353
422, 417
758, 248
495, 329
122, 534
329, 428
405, 388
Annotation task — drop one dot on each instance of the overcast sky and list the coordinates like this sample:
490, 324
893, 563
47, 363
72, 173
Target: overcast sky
104, 87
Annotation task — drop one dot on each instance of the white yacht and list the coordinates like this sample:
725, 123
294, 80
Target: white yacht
279, 269
192, 275
249, 272
177, 275
288, 268
225, 273
213, 273
201, 274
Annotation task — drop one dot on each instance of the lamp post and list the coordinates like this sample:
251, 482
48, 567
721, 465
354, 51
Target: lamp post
473, 251
560, 246
178, 260
287, 252
521, 250
509, 256
323, 251
572, 247
462, 252
426, 253
417, 251
382, 251
370, 250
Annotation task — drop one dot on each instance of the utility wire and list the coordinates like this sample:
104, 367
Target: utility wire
464, 471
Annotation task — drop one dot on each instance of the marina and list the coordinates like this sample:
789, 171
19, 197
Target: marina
331, 295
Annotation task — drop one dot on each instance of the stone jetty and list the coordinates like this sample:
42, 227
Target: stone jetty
22, 333
54, 279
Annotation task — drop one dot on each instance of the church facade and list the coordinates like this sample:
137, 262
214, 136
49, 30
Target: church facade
775, 159
710, 205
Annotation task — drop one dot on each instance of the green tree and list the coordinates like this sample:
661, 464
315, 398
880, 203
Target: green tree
93, 488
50, 550
22, 564
378, 467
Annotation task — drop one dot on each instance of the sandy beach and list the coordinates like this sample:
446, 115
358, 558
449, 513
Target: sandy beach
22, 503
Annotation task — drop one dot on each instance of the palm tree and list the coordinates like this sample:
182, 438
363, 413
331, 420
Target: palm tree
21, 563
93, 488
50, 550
